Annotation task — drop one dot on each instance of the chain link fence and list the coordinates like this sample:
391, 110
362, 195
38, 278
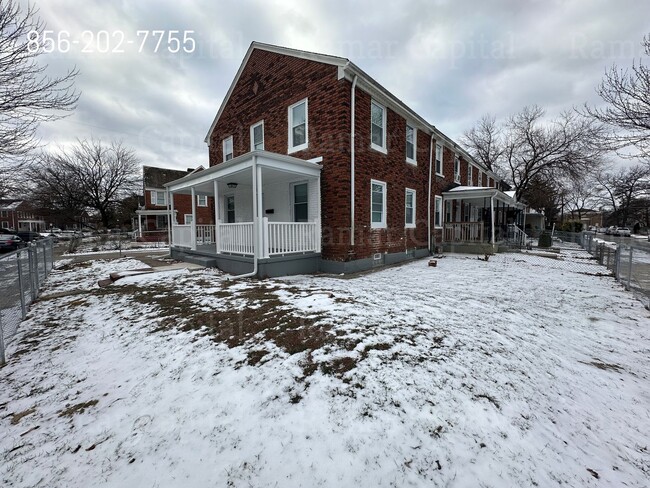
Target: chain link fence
629, 263
21, 275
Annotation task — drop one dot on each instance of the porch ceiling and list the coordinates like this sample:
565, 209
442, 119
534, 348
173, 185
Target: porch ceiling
244, 179
477, 196
238, 170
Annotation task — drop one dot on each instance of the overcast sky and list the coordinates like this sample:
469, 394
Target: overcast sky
450, 60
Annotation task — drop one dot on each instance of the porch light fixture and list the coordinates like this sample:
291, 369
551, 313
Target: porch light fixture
231, 185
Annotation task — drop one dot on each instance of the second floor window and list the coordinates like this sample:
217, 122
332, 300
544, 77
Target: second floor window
377, 127
457, 169
257, 137
469, 175
411, 142
158, 198
227, 149
438, 159
298, 126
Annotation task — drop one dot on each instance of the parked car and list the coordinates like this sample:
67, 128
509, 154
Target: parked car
7, 231
624, 232
602, 230
9, 242
28, 236
611, 231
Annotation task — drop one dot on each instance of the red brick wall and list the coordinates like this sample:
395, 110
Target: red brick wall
280, 81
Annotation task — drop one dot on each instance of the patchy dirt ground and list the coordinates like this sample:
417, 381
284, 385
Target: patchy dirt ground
518, 371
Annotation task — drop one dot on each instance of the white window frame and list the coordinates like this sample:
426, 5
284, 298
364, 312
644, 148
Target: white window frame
374, 146
159, 218
456, 168
442, 166
470, 175
414, 159
232, 149
260, 123
5, 225
187, 219
480, 178
4, 213
291, 147
382, 223
201, 197
225, 208
407, 224
154, 198
438, 213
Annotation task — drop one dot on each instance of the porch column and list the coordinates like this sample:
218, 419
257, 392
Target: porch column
193, 226
140, 226
216, 215
171, 219
319, 224
260, 245
492, 217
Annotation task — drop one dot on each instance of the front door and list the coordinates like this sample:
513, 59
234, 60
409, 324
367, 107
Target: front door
230, 209
300, 195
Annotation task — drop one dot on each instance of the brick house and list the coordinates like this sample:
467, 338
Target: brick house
19, 215
316, 166
152, 219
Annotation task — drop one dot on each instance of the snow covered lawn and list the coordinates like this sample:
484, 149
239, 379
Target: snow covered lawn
519, 371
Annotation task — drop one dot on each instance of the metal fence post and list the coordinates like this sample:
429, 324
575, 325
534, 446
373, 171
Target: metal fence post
629, 270
3, 359
617, 271
21, 283
33, 266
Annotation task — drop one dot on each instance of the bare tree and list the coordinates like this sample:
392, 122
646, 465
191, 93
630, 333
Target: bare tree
526, 147
27, 95
580, 196
623, 190
89, 175
627, 95
485, 142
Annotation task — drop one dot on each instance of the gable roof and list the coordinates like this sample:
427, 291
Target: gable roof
154, 177
348, 70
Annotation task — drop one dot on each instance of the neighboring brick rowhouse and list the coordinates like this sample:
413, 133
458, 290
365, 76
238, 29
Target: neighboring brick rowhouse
269, 83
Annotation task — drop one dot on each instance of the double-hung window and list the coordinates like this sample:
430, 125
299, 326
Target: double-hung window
377, 204
298, 126
409, 208
227, 149
201, 200
480, 178
377, 126
457, 169
438, 212
469, 175
411, 144
158, 198
438, 159
257, 136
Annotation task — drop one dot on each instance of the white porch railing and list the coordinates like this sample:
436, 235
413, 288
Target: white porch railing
277, 237
236, 238
464, 232
205, 234
291, 237
516, 235
182, 235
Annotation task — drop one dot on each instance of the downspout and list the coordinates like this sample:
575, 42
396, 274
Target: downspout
429, 199
256, 225
352, 121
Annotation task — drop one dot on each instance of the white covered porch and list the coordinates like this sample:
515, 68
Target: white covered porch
266, 205
478, 215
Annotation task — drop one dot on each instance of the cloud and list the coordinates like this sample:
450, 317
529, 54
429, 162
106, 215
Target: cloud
451, 61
